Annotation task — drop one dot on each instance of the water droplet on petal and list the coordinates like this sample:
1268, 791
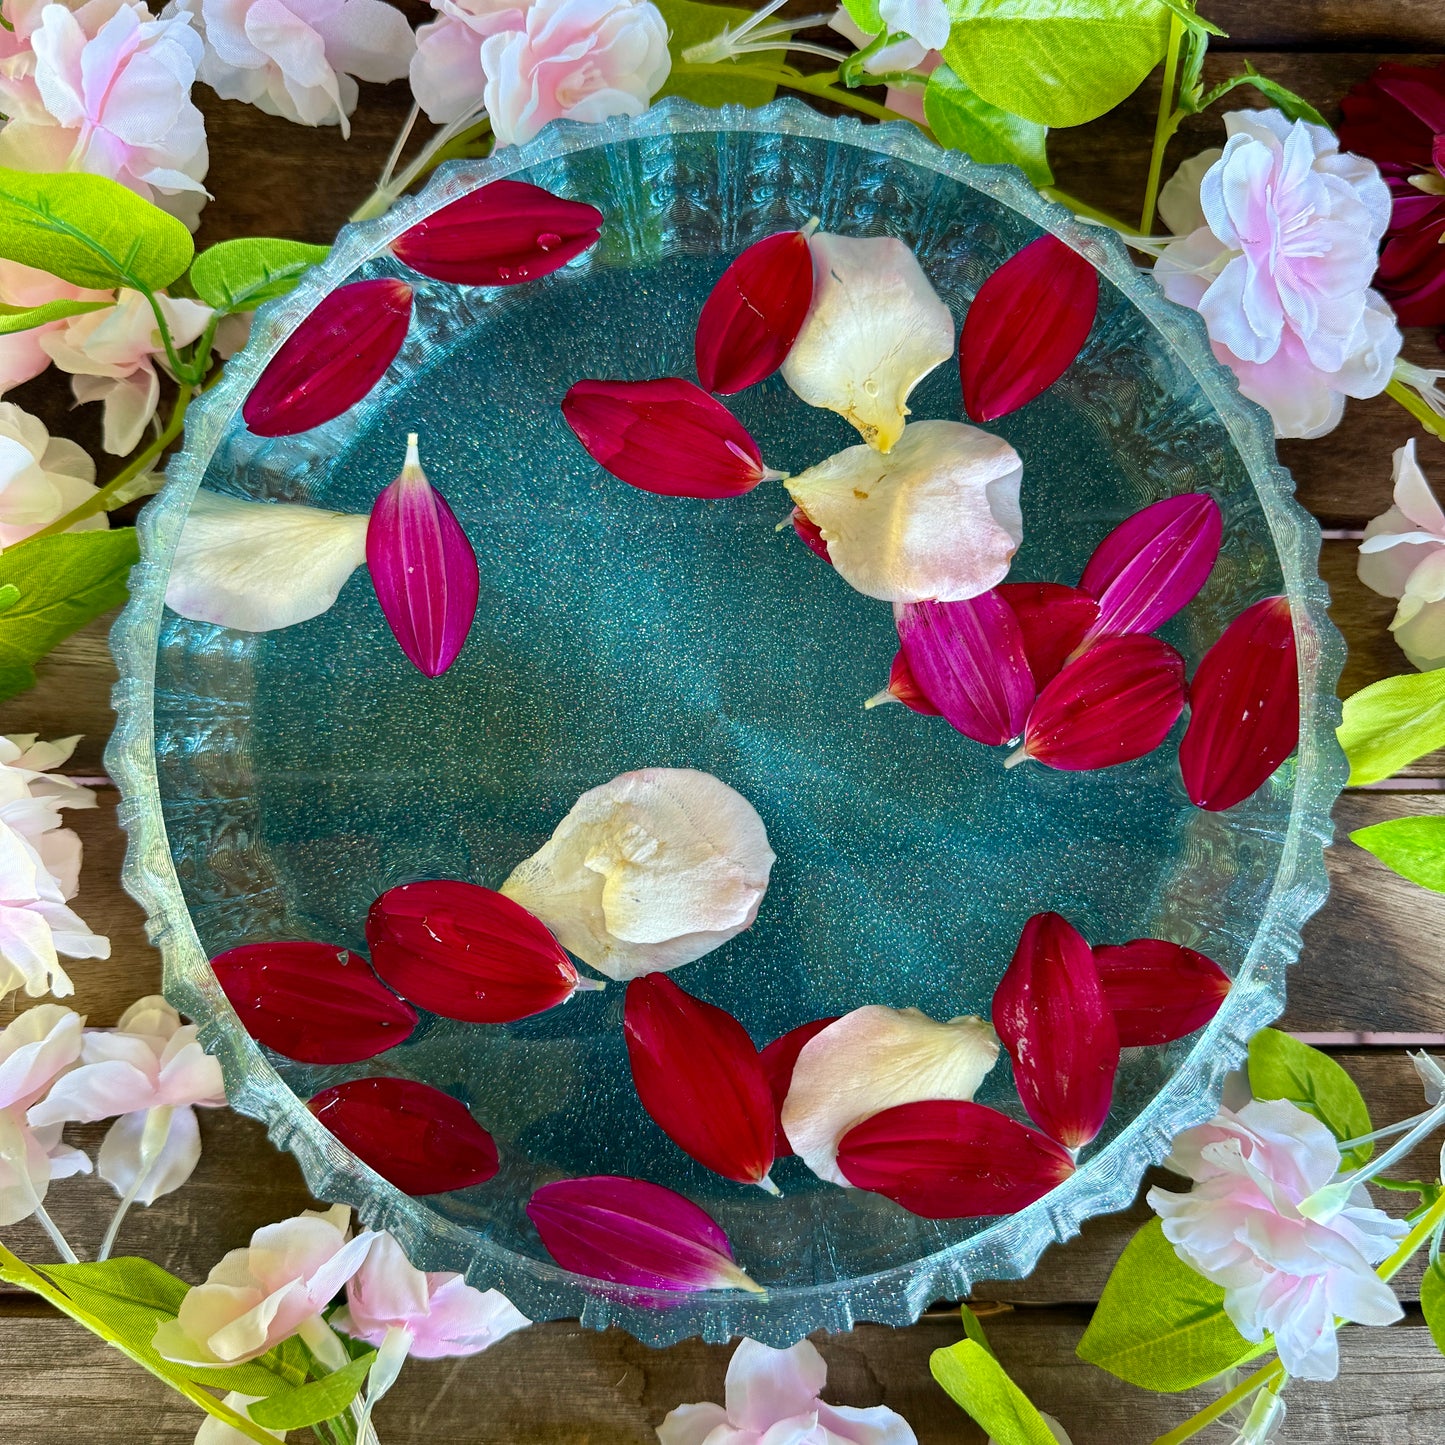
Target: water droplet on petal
547, 240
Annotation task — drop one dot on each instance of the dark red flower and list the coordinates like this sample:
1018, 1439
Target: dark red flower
1397, 119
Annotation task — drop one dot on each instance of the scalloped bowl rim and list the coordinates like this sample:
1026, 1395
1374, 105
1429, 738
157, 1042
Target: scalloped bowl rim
1008, 1249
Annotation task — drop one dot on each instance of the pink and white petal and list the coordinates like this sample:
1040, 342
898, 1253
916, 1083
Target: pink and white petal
150, 1017
95, 1091
702, 1424
25, 1170
1422, 637
368, 39
462, 1320
1413, 497
388, 1289
35, 1048
217, 1432
258, 566
28, 958
1179, 206
876, 1425
119, 1161
764, 1385
192, 1076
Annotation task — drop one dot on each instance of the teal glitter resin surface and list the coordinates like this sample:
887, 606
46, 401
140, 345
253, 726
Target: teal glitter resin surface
275, 784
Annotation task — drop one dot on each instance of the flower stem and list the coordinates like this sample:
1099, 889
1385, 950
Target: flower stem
51, 1228
1165, 125
1417, 407
153, 1136
101, 501
821, 85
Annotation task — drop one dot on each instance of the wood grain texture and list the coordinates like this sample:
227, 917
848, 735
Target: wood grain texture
560, 1383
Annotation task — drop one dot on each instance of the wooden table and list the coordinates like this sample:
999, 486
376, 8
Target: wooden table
1370, 983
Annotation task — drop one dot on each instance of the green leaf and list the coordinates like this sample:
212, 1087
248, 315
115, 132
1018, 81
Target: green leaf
1392, 722
973, 1328
1294, 107
1055, 62
691, 24
963, 120
9, 596
1432, 1302
979, 1385
866, 15
15, 1271
1281, 1067
1185, 10
304, 1405
240, 275
1159, 1324
64, 582
1413, 847
27, 318
90, 231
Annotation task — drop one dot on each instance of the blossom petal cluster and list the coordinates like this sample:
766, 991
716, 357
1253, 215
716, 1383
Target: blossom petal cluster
41, 477
1403, 556
1280, 268
1241, 1226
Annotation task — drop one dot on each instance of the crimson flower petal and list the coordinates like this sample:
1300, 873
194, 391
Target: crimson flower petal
753, 315
903, 687
665, 436
811, 534
416, 1137
1153, 563
1028, 322
968, 659
700, 1078
779, 1060
423, 568
468, 953
1054, 619
499, 235
948, 1159
1244, 708
332, 359
1159, 991
1052, 1015
1111, 704
630, 1232
313, 1002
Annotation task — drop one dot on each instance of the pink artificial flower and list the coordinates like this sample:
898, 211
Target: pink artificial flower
575, 60
298, 58
112, 353
107, 89
1280, 268
925, 25
41, 477
21, 354
150, 1061
447, 78
35, 1048
258, 1296
441, 1314
772, 1399
1403, 555
1241, 1227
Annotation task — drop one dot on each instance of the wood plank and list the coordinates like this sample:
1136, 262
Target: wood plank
559, 1382
1323, 24
71, 696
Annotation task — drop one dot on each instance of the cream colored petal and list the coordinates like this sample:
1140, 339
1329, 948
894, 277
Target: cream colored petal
871, 1060
937, 518
1413, 495
1179, 206
1422, 637
649, 871
875, 329
257, 566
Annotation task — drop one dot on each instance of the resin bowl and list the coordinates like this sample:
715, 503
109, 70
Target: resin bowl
275, 784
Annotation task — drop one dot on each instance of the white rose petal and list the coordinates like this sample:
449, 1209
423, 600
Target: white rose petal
936, 519
871, 1060
649, 871
875, 329
257, 566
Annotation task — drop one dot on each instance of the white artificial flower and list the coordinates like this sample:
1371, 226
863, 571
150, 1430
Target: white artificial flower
112, 356
447, 78
1403, 556
1280, 267
41, 477
23, 287
150, 1061
299, 58
648, 871
257, 566
217, 1432
935, 519
1283, 1272
875, 329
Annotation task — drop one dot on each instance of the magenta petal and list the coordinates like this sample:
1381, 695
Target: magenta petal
416, 1137
423, 568
313, 1002
1153, 563
968, 659
332, 359
502, 234
1054, 618
667, 436
630, 1232
1053, 1016
1028, 322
